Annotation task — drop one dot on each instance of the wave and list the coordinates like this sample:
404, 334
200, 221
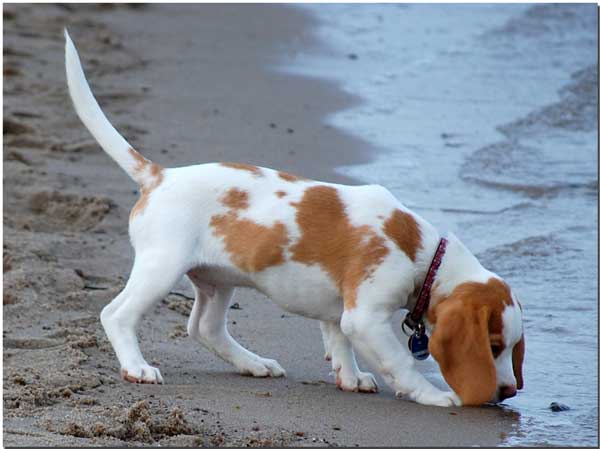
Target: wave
550, 150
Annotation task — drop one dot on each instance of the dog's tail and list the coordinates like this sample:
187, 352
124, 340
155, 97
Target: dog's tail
140, 169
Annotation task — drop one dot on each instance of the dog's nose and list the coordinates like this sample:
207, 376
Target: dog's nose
507, 391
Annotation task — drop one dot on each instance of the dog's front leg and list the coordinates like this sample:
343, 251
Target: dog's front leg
371, 333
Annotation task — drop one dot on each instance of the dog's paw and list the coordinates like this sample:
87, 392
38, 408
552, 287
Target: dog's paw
437, 398
143, 374
356, 382
260, 367
366, 383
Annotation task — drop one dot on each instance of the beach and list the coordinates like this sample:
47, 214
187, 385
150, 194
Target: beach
185, 84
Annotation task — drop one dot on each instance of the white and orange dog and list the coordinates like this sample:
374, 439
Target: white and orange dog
349, 256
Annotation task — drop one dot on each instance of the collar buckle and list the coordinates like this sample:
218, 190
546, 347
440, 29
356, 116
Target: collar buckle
410, 323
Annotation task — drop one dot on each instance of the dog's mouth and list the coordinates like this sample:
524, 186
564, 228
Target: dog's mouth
502, 394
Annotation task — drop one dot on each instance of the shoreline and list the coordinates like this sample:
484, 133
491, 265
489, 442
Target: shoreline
67, 252
279, 122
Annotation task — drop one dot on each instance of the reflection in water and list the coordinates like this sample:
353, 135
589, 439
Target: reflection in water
487, 117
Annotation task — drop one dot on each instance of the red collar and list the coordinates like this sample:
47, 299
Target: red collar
415, 317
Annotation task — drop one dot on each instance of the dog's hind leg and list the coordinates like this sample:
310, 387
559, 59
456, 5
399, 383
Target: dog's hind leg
202, 293
348, 377
326, 333
212, 332
151, 280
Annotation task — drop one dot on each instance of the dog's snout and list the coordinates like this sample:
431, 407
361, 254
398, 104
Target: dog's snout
507, 391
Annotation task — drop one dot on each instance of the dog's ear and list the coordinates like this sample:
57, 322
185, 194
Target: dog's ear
518, 355
460, 343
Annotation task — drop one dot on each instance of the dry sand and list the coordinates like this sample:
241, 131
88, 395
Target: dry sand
185, 84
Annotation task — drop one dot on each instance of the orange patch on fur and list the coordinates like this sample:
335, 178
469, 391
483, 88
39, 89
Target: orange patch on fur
404, 231
140, 161
235, 198
253, 247
494, 293
460, 343
147, 184
256, 171
155, 169
280, 193
349, 254
289, 177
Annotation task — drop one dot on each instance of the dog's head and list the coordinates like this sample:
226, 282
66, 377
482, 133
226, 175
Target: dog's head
478, 341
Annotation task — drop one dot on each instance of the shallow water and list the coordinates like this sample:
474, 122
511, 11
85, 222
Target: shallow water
486, 116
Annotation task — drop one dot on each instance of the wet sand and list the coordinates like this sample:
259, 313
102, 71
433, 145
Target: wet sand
185, 84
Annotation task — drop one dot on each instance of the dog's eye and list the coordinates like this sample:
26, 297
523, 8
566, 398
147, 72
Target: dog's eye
496, 349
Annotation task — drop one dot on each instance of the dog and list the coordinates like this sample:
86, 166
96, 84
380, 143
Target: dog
348, 256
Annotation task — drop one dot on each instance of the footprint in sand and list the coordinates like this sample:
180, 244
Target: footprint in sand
16, 127
84, 146
54, 211
30, 343
11, 70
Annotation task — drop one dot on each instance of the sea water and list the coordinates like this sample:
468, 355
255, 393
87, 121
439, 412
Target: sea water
486, 121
